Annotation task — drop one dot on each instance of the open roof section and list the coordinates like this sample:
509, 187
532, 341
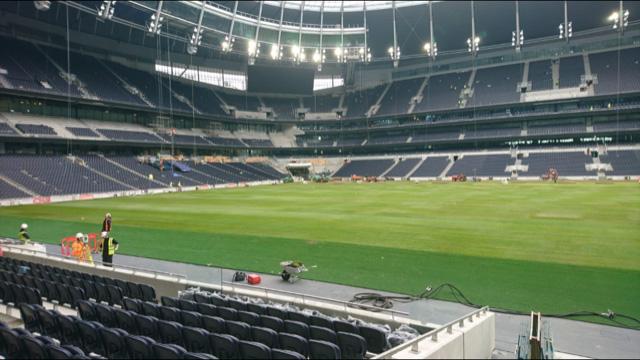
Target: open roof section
347, 6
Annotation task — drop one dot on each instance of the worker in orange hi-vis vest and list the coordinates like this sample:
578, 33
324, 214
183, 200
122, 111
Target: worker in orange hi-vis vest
77, 248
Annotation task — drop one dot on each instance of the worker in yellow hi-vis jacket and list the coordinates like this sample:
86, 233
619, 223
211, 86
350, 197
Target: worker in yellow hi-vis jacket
108, 247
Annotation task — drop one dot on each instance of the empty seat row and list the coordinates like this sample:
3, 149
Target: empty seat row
21, 344
82, 280
184, 327
14, 294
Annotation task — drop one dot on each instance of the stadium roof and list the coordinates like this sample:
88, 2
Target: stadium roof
345, 6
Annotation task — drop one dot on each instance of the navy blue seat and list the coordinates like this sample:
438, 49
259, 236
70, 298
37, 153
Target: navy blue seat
321, 321
69, 333
194, 355
319, 349
376, 339
207, 309
240, 330
345, 326
168, 351
34, 348
115, 346
265, 336
86, 311
214, 324
140, 347
224, 346
227, 313
170, 313
58, 353
48, 323
32, 296
103, 293
299, 316
106, 315
151, 309
148, 293
170, 332
277, 312
169, 301
77, 294
254, 350
351, 345
147, 325
134, 290
126, 320
249, 317
323, 333
286, 354
188, 305
259, 309
293, 342
297, 328
218, 300
131, 304
237, 304
202, 298
271, 322
90, 334
191, 318
196, 340
30, 317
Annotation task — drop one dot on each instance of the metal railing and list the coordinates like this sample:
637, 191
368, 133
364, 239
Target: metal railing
346, 305
111, 267
433, 334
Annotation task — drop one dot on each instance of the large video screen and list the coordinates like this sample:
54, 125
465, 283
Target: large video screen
280, 80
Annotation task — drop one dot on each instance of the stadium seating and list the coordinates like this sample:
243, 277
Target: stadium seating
571, 69
431, 167
359, 102
82, 132
364, 168
403, 167
623, 162
566, 163
443, 91
321, 103
496, 85
396, 100
36, 129
540, 75
284, 108
482, 165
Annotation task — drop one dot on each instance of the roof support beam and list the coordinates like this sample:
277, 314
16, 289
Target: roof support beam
365, 50
278, 53
300, 54
395, 54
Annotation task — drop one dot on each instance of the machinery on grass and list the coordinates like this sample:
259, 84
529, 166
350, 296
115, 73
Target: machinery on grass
459, 177
551, 174
291, 270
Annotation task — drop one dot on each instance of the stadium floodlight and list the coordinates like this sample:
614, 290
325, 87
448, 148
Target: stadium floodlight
107, 9
276, 52
156, 23
42, 5
615, 19
252, 48
431, 50
227, 44
295, 51
474, 46
569, 32
316, 56
395, 55
517, 40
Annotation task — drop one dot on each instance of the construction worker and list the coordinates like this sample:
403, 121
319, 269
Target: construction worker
106, 226
108, 247
86, 251
23, 235
77, 247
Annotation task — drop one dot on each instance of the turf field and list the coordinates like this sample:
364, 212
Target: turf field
553, 248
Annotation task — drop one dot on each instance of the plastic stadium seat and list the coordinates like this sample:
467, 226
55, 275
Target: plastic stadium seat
237, 304
33, 296
91, 339
277, 312
321, 321
259, 309
147, 325
191, 318
69, 332
323, 333
271, 322
286, 354
90, 290
30, 318
170, 332
193, 355
140, 347
376, 339
293, 343
134, 305
227, 313
115, 295
240, 330
86, 311
297, 328
103, 293
106, 315
170, 313
218, 300
188, 305
58, 353
323, 350
148, 293
265, 336
126, 321
115, 346
151, 309
124, 288
345, 326
352, 346
34, 348
254, 350
134, 290
52, 291
224, 346
196, 340
202, 298
299, 316
64, 295
214, 324
207, 309
169, 301
249, 317
77, 294
48, 323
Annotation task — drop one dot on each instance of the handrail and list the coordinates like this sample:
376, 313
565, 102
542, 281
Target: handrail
345, 304
113, 267
433, 334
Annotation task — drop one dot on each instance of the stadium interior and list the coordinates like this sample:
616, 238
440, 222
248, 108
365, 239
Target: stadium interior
484, 155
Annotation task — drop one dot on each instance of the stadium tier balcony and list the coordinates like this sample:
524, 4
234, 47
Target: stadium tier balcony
605, 66
492, 133
258, 142
566, 163
540, 75
403, 167
375, 167
605, 126
205, 100
108, 168
424, 136
623, 162
431, 167
349, 142
9, 191
36, 129
359, 102
222, 141
571, 69
82, 132
5, 129
560, 129
185, 139
443, 91
284, 108
321, 103
496, 85
397, 98
482, 165
128, 135
241, 102
391, 139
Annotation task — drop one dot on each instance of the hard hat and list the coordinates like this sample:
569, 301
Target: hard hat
24, 226
104, 234
108, 215
85, 240
79, 236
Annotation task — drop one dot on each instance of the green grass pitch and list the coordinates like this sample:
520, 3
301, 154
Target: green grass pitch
525, 246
